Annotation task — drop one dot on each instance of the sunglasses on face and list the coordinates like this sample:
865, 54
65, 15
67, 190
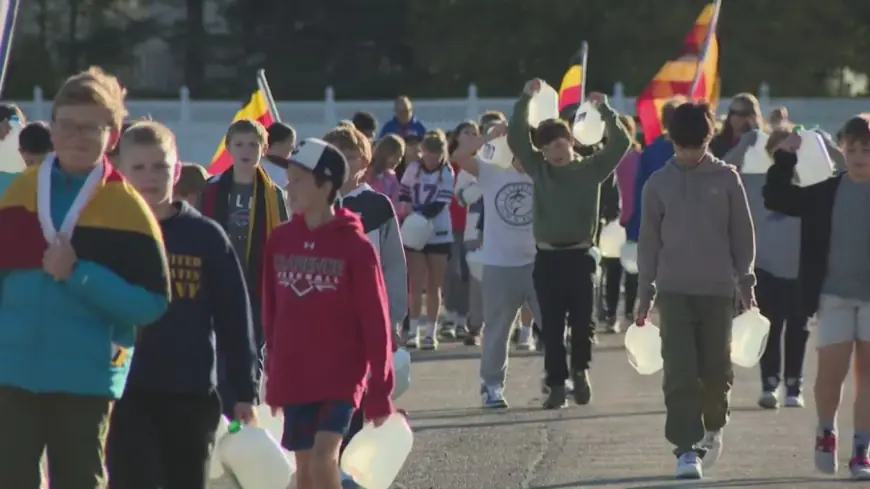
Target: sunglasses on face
741, 112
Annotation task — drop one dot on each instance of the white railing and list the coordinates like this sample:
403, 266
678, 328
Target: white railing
200, 124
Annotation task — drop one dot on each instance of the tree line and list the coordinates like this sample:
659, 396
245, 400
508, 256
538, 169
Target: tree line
435, 48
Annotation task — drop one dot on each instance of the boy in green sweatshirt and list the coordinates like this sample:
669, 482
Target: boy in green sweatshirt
565, 222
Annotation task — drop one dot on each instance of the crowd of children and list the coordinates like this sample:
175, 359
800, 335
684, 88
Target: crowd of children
107, 231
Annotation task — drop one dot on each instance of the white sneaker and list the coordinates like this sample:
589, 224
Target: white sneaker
713, 443
689, 466
412, 337
794, 401
526, 340
430, 338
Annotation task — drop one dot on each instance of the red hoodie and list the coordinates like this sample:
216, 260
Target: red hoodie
325, 316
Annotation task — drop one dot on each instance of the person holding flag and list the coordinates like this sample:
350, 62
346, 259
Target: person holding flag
248, 205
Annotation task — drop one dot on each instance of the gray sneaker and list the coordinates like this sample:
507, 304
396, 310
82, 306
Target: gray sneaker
768, 400
713, 443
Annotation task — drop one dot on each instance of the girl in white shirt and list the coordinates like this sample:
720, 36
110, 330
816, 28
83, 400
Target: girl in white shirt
426, 189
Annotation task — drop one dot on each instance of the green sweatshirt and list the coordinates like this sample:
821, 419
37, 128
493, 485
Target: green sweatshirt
565, 203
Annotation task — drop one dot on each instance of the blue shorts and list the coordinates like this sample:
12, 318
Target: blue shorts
303, 421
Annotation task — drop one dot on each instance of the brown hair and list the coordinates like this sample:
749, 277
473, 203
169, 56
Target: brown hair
491, 116
779, 114
247, 126
776, 137
389, 146
93, 87
191, 180
668, 109
631, 128
149, 133
435, 141
727, 132
349, 138
856, 130
551, 130
453, 139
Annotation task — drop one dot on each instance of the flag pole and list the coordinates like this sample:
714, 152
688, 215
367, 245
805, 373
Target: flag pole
584, 56
711, 31
263, 85
8, 16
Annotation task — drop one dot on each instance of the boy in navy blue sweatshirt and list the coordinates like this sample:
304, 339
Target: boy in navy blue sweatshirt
163, 426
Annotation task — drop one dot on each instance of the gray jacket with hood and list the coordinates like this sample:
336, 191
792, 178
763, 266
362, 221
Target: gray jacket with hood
696, 233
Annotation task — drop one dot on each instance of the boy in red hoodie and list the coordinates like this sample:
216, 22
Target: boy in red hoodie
325, 318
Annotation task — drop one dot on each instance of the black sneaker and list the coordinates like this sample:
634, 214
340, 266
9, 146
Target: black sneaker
472, 338
556, 398
582, 387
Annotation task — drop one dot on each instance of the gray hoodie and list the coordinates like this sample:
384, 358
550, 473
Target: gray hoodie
696, 233
777, 236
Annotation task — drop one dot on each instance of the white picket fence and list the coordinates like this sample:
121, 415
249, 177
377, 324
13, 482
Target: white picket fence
200, 124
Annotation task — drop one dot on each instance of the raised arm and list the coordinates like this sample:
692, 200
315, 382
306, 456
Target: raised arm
736, 155
780, 193
741, 232
519, 131
600, 165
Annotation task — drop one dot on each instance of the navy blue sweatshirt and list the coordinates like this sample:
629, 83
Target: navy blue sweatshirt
210, 303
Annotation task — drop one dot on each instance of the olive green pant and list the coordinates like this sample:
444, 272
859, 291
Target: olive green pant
696, 349
71, 429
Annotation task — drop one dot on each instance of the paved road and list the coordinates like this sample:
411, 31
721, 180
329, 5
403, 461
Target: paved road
616, 442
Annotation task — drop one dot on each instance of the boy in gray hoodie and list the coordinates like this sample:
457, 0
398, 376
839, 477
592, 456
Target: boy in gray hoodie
696, 237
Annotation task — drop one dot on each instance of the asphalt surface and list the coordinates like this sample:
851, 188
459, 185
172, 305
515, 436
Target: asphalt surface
615, 442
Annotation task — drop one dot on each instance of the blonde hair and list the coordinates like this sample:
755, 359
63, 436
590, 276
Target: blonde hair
389, 145
247, 126
93, 87
345, 123
349, 138
435, 141
150, 133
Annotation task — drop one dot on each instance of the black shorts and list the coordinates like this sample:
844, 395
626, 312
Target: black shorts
434, 249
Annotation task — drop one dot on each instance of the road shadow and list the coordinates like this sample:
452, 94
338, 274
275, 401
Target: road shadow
668, 482
545, 417
460, 353
748, 482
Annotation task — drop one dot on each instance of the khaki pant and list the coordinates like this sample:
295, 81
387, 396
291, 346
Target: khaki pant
696, 348
71, 429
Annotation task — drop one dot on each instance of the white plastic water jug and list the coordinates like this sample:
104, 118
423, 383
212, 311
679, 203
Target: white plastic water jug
274, 425
644, 347
375, 456
497, 152
416, 231
543, 105
749, 333
612, 239
628, 257
813, 162
756, 161
475, 265
10, 159
255, 459
401, 372
216, 467
588, 128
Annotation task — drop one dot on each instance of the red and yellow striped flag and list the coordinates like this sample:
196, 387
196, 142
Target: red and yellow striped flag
695, 74
256, 109
571, 89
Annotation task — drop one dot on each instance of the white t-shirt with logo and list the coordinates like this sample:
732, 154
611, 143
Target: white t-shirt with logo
507, 216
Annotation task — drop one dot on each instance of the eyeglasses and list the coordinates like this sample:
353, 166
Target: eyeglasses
69, 127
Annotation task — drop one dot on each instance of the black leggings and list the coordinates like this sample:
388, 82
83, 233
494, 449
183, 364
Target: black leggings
564, 284
779, 300
613, 275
